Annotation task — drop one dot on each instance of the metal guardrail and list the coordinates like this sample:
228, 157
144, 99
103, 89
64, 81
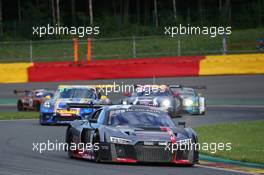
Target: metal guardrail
122, 48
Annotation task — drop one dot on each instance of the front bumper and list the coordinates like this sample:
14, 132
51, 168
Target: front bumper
51, 118
193, 110
146, 153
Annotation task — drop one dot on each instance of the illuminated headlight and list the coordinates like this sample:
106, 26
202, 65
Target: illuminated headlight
120, 140
165, 103
124, 102
46, 104
155, 102
188, 102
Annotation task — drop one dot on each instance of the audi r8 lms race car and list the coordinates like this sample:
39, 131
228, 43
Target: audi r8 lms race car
32, 99
54, 110
192, 101
131, 134
155, 95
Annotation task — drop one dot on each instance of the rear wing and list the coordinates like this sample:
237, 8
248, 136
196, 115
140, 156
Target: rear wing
171, 86
35, 90
85, 105
182, 86
99, 89
21, 91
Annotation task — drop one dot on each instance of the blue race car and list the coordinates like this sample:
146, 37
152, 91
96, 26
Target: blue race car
192, 102
55, 111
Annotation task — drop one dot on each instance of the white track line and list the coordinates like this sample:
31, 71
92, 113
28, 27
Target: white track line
227, 170
237, 106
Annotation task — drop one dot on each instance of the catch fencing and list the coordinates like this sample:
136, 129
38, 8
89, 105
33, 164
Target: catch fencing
126, 47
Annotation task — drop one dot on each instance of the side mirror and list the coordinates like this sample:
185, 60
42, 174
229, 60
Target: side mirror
182, 124
92, 120
127, 94
174, 94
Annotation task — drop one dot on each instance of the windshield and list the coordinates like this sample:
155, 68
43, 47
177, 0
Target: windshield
153, 93
76, 93
184, 91
140, 119
43, 94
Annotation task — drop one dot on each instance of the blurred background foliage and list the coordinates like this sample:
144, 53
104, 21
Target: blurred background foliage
119, 18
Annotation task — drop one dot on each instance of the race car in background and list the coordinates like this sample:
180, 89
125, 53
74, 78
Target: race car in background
130, 134
192, 102
32, 99
260, 44
155, 95
54, 110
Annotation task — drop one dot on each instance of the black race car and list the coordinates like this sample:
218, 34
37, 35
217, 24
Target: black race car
155, 95
131, 134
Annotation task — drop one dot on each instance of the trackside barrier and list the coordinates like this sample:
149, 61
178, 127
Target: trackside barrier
232, 64
115, 69
132, 68
14, 72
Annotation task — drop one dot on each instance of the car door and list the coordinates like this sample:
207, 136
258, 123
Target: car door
28, 99
87, 134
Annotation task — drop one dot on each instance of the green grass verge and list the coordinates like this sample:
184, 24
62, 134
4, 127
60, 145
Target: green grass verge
18, 115
246, 138
240, 41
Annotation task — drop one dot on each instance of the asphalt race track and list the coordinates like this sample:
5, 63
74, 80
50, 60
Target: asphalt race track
17, 137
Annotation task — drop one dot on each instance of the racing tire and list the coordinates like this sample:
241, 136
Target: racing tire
175, 115
69, 138
40, 122
188, 165
97, 153
37, 106
20, 106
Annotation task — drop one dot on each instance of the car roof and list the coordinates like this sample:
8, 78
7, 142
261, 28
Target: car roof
113, 107
184, 88
77, 86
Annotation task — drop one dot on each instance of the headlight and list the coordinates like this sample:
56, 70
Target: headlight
120, 140
188, 102
46, 104
155, 102
124, 102
165, 103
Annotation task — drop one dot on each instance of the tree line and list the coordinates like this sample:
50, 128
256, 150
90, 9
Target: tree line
127, 16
